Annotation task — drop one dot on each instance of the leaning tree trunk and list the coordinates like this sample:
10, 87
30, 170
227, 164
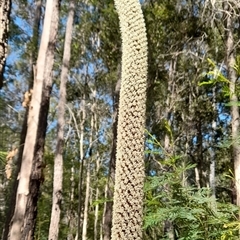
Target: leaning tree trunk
58, 161
129, 178
5, 9
30, 176
32, 62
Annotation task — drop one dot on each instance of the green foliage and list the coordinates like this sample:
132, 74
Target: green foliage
237, 65
194, 213
3, 156
216, 76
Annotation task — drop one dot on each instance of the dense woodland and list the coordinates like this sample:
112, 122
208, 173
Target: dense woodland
192, 144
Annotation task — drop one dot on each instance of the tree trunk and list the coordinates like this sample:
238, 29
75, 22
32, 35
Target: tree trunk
107, 219
5, 9
81, 139
32, 61
86, 202
88, 168
58, 162
31, 176
200, 151
129, 178
232, 76
212, 180
96, 211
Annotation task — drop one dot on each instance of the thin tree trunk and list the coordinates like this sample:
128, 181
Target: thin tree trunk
212, 181
107, 219
97, 205
83, 111
130, 172
96, 212
197, 178
86, 202
31, 176
76, 223
71, 211
230, 62
202, 181
58, 162
5, 9
104, 211
168, 227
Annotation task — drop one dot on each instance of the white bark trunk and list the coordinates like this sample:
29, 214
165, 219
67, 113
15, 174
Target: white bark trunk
81, 139
212, 180
97, 205
5, 8
230, 57
86, 203
18, 221
58, 162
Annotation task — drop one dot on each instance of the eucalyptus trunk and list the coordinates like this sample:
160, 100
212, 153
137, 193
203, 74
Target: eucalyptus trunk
81, 164
5, 9
31, 173
108, 206
129, 176
86, 202
212, 170
230, 62
32, 61
96, 210
58, 161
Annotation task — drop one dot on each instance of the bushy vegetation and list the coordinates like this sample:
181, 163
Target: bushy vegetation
191, 212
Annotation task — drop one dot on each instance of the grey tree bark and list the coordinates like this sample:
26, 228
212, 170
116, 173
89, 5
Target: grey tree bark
32, 62
81, 164
5, 9
58, 161
232, 76
108, 206
31, 173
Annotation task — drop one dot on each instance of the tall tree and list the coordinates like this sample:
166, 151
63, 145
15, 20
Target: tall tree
5, 9
34, 42
130, 173
232, 75
31, 173
58, 162
107, 220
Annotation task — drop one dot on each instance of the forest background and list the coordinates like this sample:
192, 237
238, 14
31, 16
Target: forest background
192, 151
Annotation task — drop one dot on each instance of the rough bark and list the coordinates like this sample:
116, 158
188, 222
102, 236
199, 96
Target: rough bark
31, 173
58, 161
129, 176
232, 76
5, 9
32, 62
107, 219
